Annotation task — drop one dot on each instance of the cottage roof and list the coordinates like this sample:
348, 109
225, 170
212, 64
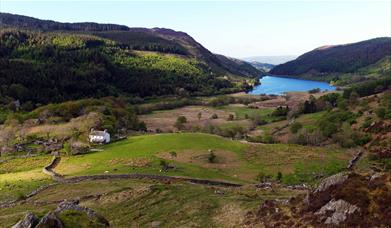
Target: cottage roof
98, 133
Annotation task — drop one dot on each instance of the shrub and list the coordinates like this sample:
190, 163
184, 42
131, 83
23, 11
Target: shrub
280, 111
235, 131
262, 177
214, 116
331, 122
350, 138
295, 127
173, 154
367, 122
221, 100
180, 121
381, 112
307, 137
212, 157
164, 165
265, 138
317, 90
258, 120
199, 116
279, 176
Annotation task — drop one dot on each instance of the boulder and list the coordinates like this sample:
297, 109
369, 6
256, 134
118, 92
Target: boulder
74, 205
50, 220
336, 212
322, 194
29, 221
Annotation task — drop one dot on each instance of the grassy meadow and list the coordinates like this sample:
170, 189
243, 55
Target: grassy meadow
235, 161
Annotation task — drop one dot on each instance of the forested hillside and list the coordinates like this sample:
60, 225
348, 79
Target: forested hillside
40, 64
337, 59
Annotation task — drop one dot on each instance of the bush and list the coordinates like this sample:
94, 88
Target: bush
212, 157
381, 112
307, 137
367, 122
214, 116
258, 120
265, 138
262, 177
331, 122
235, 131
317, 90
164, 165
173, 154
350, 138
199, 115
280, 111
180, 121
295, 127
279, 176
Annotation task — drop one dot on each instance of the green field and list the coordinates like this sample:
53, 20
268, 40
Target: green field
22, 175
236, 161
308, 121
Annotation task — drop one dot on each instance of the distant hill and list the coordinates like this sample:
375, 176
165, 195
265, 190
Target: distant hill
265, 67
45, 61
346, 58
275, 60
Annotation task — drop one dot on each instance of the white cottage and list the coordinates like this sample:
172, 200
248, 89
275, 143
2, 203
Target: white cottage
99, 136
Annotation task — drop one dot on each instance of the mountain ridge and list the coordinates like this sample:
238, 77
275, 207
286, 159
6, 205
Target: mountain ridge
344, 58
194, 48
46, 66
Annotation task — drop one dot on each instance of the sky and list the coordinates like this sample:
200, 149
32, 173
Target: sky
233, 28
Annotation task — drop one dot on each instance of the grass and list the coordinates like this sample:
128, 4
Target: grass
131, 203
21, 176
242, 111
121, 155
77, 219
308, 121
23, 164
142, 154
237, 161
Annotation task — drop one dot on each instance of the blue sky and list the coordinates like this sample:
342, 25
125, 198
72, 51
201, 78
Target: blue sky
233, 28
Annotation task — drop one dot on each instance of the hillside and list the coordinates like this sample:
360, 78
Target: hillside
155, 39
346, 58
266, 67
47, 61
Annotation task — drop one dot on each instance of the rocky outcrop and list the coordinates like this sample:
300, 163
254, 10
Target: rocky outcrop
337, 211
355, 159
344, 200
29, 221
50, 220
74, 205
321, 194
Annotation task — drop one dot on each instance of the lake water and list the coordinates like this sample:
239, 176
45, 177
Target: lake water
279, 85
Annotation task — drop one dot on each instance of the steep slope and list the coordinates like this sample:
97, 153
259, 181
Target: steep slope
337, 59
156, 39
45, 61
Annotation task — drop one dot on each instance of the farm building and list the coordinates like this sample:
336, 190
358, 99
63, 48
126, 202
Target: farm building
99, 136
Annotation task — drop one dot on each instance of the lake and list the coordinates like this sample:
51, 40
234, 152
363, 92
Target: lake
279, 85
